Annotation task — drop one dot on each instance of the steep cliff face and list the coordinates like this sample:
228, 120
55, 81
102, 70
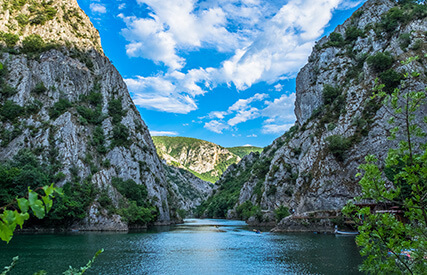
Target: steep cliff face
191, 191
204, 159
313, 166
63, 100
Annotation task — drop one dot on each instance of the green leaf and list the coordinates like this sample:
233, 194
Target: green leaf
49, 189
6, 232
47, 202
23, 204
20, 218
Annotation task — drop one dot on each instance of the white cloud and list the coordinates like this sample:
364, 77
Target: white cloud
281, 108
268, 42
278, 87
171, 92
279, 114
164, 133
97, 8
253, 135
276, 128
122, 6
216, 126
283, 46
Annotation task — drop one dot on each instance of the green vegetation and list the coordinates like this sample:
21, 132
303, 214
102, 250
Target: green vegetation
73, 205
39, 88
330, 93
396, 243
33, 43
335, 40
137, 211
176, 146
392, 78
404, 40
247, 210
225, 197
9, 38
242, 151
281, 212
59, 108
10, 111
120, 136
338, 146
115, 110
380, 61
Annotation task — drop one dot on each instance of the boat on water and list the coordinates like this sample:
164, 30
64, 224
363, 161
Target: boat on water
336, 231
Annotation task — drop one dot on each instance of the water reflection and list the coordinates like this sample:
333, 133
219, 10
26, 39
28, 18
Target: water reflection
196, 247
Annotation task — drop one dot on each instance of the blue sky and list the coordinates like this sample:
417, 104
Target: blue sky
222, 71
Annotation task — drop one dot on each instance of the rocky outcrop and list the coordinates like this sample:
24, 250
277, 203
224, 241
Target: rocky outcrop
334, 107
204, 159
73, 110
190, 190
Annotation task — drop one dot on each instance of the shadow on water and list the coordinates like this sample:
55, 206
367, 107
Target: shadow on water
196, 247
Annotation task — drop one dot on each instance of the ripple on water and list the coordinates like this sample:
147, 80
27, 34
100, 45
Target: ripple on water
205, 246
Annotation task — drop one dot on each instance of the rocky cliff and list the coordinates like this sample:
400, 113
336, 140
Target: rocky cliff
202, 158
311, 169
64, 102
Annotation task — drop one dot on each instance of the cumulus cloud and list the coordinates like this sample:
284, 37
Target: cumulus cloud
171, 92
216, 126
97, 8
164, 133
267, 42
282, 47
278, 113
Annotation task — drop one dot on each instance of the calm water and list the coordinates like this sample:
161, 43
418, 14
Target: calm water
196, 247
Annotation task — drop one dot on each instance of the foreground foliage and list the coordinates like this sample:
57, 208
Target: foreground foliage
389, 243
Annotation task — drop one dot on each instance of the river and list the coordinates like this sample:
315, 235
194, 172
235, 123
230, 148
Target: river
196, 247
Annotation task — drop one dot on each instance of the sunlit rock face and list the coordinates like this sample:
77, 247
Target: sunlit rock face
90, 138
333, 98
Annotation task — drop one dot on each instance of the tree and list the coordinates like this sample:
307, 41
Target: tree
390, 244
39, 205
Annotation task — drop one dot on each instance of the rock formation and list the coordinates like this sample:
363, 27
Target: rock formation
311, 169
62, 99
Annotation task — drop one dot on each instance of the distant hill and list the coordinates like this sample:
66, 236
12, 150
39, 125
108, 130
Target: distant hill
242, 151
204, 159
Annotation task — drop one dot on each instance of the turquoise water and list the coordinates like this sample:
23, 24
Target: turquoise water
196, 247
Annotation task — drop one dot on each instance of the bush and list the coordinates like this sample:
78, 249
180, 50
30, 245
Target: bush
136, 215
92, 116
115, 110
73, 205
281, 212
120, 136
338, 146
22, 20
380, 61
33, 44
11, 111
247, 210
9, 38
39, 88
132, 191
391, 19
404, 40
391, 78
335, 40
59, 108
352, 33
98, 140
7, 90
330, 93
